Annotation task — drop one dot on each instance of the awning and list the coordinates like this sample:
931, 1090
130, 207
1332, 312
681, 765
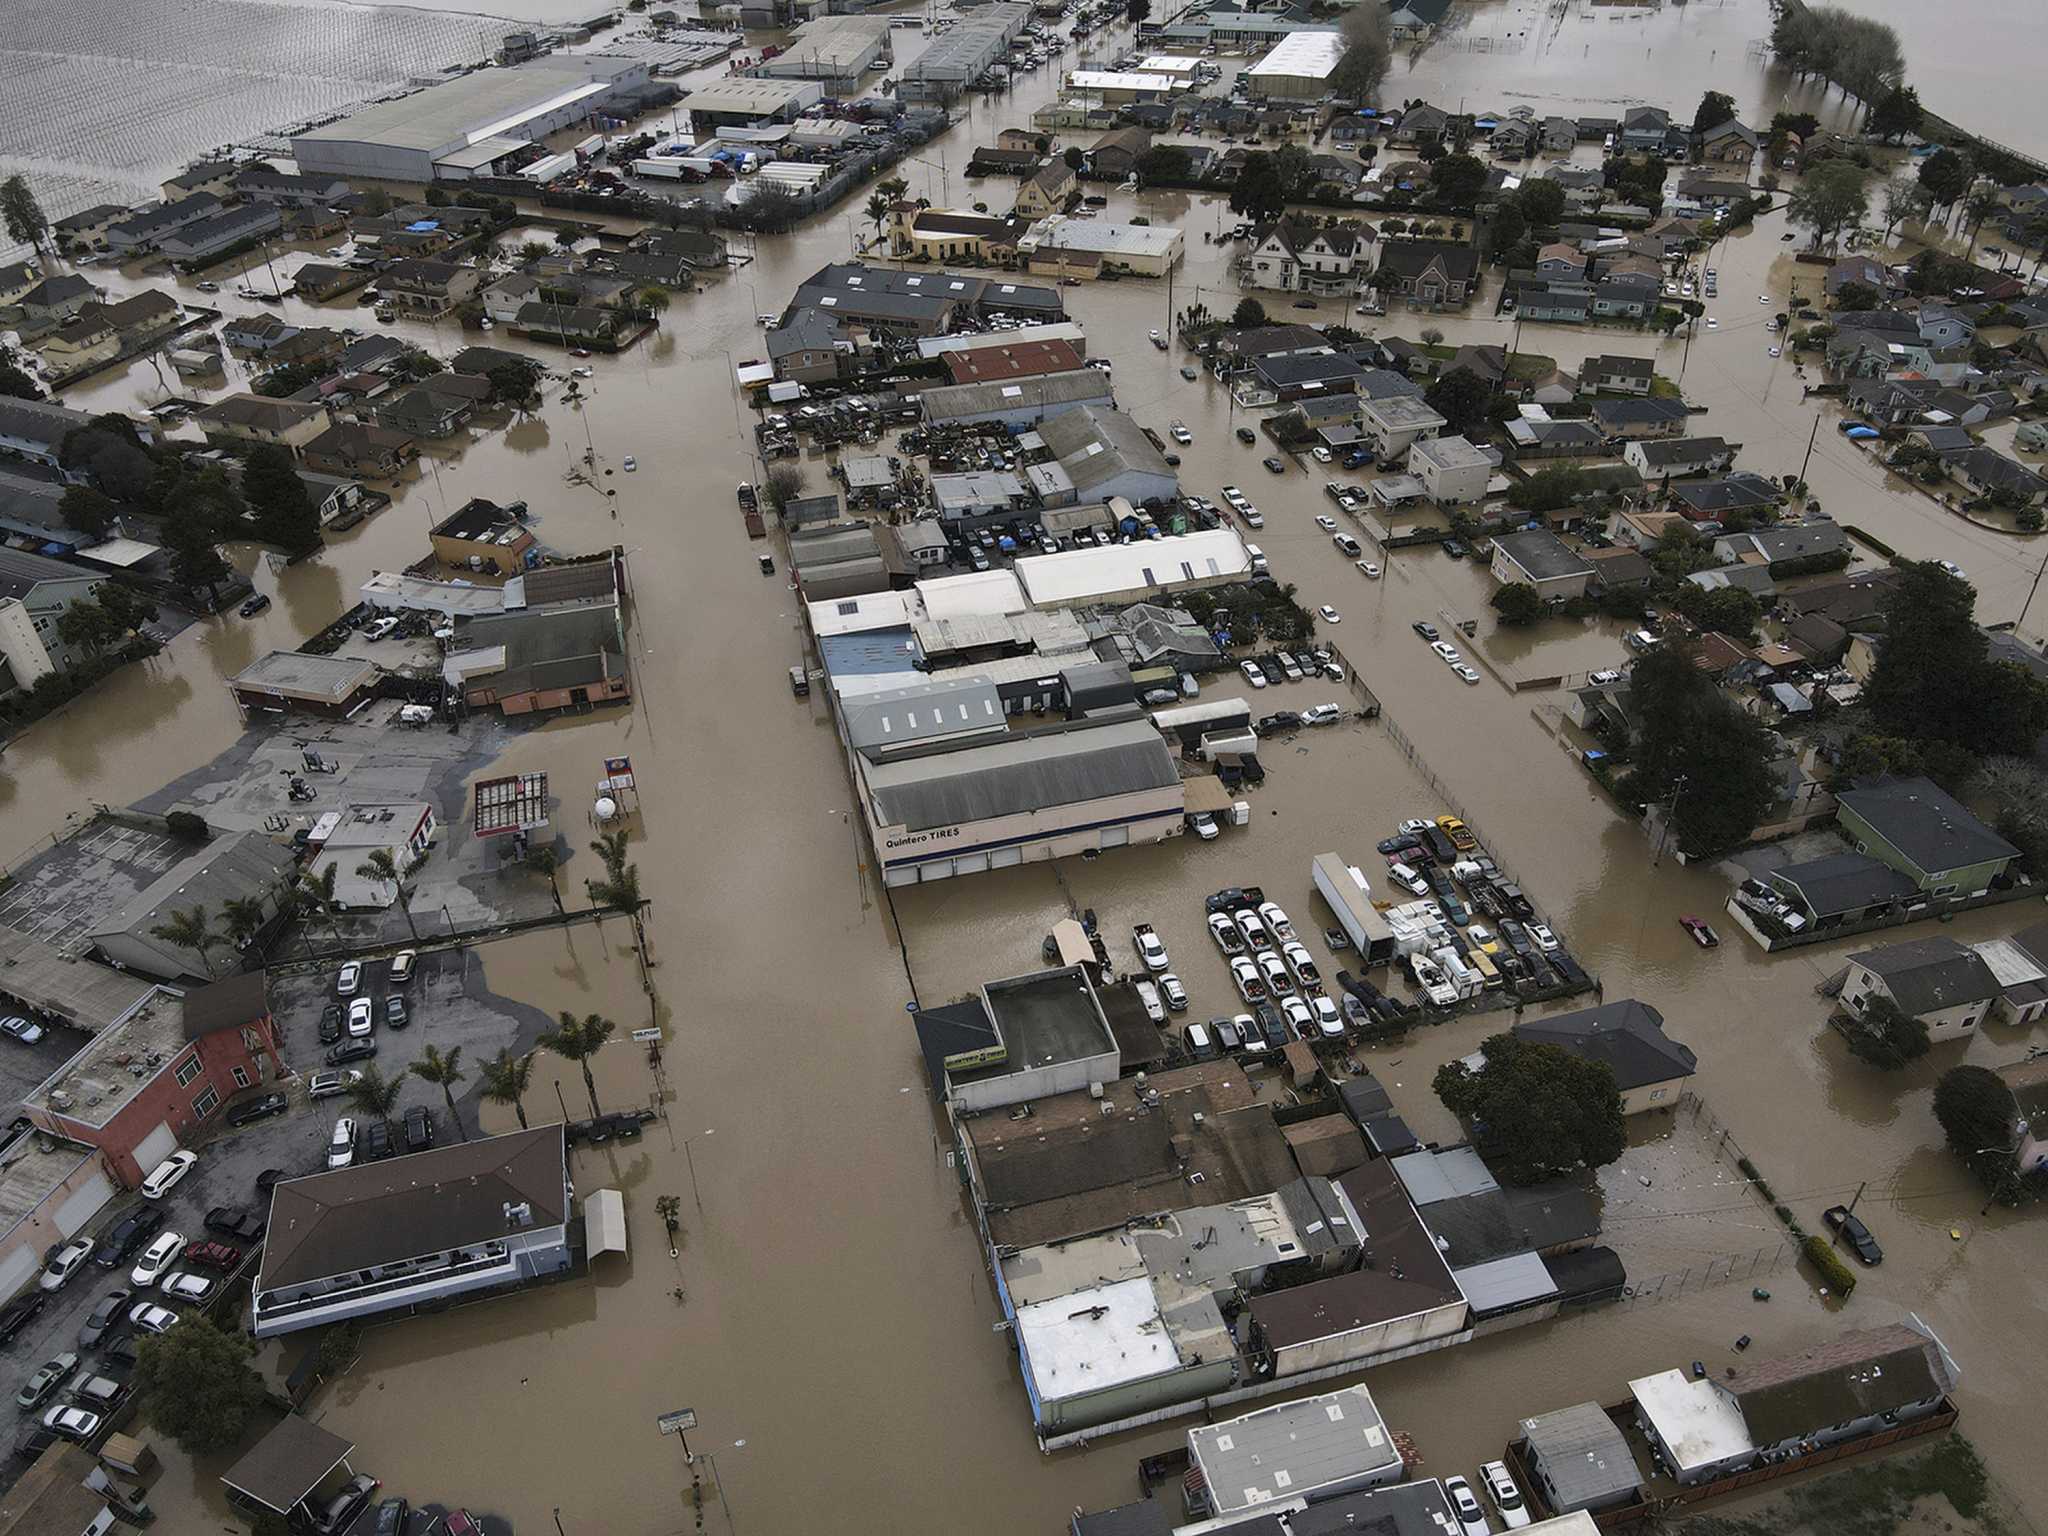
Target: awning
1072, 939
1206, 794
604, 1222
287, 1464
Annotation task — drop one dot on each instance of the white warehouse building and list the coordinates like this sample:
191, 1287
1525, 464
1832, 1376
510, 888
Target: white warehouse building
1299, 68
463, 127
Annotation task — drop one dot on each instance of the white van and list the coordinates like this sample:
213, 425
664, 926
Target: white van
1258, 559
1149, 996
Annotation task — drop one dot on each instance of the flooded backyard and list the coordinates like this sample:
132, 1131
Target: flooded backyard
829, 1318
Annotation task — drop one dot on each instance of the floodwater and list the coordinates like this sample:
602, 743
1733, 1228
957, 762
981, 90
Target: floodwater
834, 1327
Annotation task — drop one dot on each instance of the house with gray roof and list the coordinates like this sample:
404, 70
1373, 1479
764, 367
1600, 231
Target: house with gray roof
1921, 830
1649, 1067
1944, 984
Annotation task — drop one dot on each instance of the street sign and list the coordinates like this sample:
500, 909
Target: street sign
682, 1420
646, 1034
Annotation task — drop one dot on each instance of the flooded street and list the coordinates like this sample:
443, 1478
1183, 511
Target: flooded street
833, 1330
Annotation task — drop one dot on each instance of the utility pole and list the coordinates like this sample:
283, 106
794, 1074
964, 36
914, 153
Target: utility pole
1670, 815
1811, 438
2022, 619
1836, 1240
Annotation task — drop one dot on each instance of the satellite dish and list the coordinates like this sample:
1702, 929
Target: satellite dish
606, 808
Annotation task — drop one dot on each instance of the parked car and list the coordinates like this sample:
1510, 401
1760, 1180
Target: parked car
1223, 929
156, 1259
101, 1394
1507, 1498
1322, 714
402, 965
51, 1375
419, 1127
1253, 930
1426, 630
184, 1285
1845, 1221
240, 1225
70, 1423
26, 1031
262, 1107
1274, 969
396, 1014
377, 1144
341, 1143
1329, 1020
65, 1263
214, 1255
1465, 1505
326, 1085
1250, 985
255, 605
361, 1018
1302, 964
1252, 673
151, 1318
164, 1177
330, 1024
351, 1050
1545, 939
388, 1519
1175, 994
16, 1314
1301, 1022
104, 1317
1274, 465
349, 980
341, 1510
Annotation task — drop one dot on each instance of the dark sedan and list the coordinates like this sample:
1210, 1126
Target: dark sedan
1850, 1225
1274, 465
1407, 842
261, 1107
125, 1236
351, 1050
104, 1318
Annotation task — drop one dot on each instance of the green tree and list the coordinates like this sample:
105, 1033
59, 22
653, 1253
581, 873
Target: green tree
1882, 1033
1368, 54
1896, 114
376, 202
188, 928
1978, 1115
878, 212
517, 384
566, 237
284, 513
91, 625
1135, 11
1715, 108
315, 895
653, 300
1163, 165
26, 222
1856, 298
1923, 685
579, 1040
505, 1080
16, 384
1982, 202
375, 1094
1461, 397
1548, 490
1832, 195
1074, 156
1518, 603
1508, 229
1457, 180
544, 862
444, 1070
383, 867
1728, 611
1542, 201
196, 1384
1697, 754
782, 484
1537, 1110
1259, 193
1248, 314
1945, 176
243, 917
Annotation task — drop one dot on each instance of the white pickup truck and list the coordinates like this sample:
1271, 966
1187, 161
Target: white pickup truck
1150, 950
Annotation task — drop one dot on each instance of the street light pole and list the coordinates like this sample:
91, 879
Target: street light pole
561, 1101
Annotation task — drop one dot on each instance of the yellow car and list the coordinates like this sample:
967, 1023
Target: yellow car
1460, 835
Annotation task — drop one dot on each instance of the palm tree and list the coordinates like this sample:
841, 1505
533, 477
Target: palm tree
653, 298
189, 929
381, 867
444, 1072
579, 1040
376, 1095
545, 861
878, 210
315, 894
1982, 202
244, 917
611, 848
505, 1081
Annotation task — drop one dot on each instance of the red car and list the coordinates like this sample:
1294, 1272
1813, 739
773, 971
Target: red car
221, 1256
1702, 935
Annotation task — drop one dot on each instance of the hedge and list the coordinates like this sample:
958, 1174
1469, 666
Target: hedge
1809, 565
1872, 540
1824, 1258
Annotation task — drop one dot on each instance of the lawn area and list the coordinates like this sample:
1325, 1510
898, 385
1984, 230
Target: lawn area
1942, 1489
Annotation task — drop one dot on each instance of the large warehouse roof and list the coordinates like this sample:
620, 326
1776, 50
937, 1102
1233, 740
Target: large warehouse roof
1078, 575
1020, 774
1308, 55
471, 107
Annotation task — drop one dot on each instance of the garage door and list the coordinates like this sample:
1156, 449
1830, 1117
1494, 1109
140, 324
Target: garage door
17, 1267
970, 864
1115, 837
84, 1203
1003, 858
156, 1146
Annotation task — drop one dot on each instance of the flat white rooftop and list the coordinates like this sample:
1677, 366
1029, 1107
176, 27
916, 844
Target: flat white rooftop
1088, 1340
1699, 1425
1310, 55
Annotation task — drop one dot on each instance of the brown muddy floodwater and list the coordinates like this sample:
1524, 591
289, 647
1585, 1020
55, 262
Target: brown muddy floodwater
834, 1328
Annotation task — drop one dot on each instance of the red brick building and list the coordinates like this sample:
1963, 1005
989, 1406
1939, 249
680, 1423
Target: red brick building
148, 1084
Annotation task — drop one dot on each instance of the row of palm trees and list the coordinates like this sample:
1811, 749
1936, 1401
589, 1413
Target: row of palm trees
304, 893
506, 1077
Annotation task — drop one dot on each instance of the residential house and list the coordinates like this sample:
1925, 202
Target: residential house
87, 229
1395, 423
647, 268
1729, 143
1349, 130
1414, 21
701, 248
1558, 135
56, 300
1864, 1382
318, 280
243, 418
1538, 558
78, 347
427, 287
35, 594
360, 451
481, 535
810, 346
1045, 191
541, 660
950, 234
1422, 124
261, 184
1434, 273
18, 279
257, 333
1671, 458
1695, 194
1003, 162
193, 245
1644, 129
146, 317
1858, 269
143, 231
1612, 374
2028, 1083
570, 325
1650, 1068
422, 412
1116, 154
1453, 471
1987, 472
1782, 542
413, 1232
1296, 257
1919, 829
1944, 984
1641, 418
211, 176
1941, 326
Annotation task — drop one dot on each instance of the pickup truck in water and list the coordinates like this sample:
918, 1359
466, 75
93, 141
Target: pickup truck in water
1151, 951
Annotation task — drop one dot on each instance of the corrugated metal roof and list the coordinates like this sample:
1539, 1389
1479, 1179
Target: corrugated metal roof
1020, 774
1513, 1281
